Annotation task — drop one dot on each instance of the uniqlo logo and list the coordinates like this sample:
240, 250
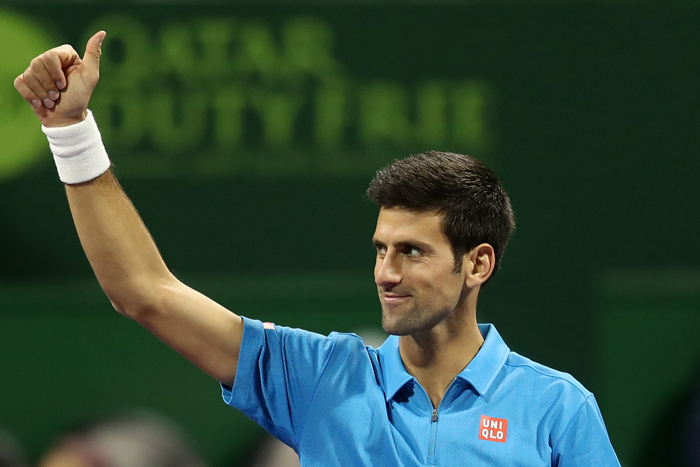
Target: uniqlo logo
493, 429
268, 326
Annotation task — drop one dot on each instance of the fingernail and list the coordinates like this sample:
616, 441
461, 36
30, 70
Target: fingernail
48, 103
36, 103
60, 85
53, 95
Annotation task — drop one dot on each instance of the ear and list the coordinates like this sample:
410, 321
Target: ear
479, 264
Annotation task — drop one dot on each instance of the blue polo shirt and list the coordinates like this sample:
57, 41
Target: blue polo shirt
340, 403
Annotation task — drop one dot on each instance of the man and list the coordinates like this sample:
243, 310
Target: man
441, 391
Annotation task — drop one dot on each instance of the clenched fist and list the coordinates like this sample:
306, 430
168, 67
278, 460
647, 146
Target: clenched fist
58, 83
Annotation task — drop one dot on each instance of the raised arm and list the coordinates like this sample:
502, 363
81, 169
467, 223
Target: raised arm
58, 85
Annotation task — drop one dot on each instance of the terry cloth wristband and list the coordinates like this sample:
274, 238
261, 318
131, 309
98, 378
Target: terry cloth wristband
78, 151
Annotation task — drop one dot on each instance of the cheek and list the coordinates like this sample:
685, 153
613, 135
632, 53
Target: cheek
448, 289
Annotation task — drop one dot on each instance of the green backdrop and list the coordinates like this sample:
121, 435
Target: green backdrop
246, 136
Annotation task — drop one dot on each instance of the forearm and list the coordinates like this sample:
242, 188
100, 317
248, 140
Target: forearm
132, 273
117, 244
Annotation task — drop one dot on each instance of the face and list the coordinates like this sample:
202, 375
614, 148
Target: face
414, 271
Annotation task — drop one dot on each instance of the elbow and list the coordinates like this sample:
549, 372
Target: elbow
119, 308
132, 308
136, 301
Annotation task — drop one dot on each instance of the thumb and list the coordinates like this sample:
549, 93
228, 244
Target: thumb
93, 51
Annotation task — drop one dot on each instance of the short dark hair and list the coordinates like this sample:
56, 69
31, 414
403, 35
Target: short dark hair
474, 205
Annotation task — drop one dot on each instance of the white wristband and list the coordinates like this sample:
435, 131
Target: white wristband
78, 151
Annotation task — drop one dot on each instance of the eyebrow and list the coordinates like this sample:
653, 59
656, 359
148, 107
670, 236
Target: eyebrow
407, 243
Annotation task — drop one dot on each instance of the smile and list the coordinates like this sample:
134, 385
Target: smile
393, 298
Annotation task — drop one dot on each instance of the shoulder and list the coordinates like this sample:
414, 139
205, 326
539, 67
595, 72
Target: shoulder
550, 383
348, 339
547, 398
259, 336
350, 345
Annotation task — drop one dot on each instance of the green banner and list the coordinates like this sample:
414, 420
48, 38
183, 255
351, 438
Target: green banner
216, 94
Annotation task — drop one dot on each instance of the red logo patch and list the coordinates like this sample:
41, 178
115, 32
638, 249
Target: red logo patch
268, 326
493, 429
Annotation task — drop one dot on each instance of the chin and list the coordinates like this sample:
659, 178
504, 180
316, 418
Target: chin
409, 322
396, 332
397, 327
388, 325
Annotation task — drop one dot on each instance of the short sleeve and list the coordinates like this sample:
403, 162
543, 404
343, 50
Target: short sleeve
585, 443
278, 371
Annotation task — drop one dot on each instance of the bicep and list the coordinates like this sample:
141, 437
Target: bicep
197, 327
278, 373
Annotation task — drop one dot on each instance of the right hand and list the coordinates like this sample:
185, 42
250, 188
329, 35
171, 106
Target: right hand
58, 84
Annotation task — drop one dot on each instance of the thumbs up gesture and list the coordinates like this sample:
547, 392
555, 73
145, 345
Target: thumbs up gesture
58, 83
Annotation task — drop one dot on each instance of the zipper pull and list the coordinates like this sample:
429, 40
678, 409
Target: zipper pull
434, 417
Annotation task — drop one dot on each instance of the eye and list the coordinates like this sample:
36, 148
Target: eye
381, 249
413, 251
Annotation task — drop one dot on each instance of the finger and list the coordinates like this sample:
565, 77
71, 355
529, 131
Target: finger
66, 55
27, 93
93, 51
37, 88
70, 70
55, 68
42, 74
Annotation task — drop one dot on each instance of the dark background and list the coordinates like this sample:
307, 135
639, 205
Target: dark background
590, 115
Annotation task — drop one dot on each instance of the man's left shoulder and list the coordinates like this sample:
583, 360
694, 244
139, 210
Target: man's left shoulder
547, 381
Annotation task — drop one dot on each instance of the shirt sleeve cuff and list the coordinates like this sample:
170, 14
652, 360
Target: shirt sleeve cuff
251, 343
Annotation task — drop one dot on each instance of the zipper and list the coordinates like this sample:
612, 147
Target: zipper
433, 426
433, 437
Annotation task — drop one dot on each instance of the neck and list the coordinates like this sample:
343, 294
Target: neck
435, 356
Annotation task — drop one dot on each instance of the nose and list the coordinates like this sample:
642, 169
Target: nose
387, 271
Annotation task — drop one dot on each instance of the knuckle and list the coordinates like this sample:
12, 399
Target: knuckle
66, 48
52, 63
36, 64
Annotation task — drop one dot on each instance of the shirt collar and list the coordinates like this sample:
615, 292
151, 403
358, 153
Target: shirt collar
487, 362
479, 373
393, 372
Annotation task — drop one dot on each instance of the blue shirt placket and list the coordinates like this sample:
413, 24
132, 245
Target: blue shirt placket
433, 437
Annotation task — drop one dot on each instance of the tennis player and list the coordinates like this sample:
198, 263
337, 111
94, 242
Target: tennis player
442, 390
